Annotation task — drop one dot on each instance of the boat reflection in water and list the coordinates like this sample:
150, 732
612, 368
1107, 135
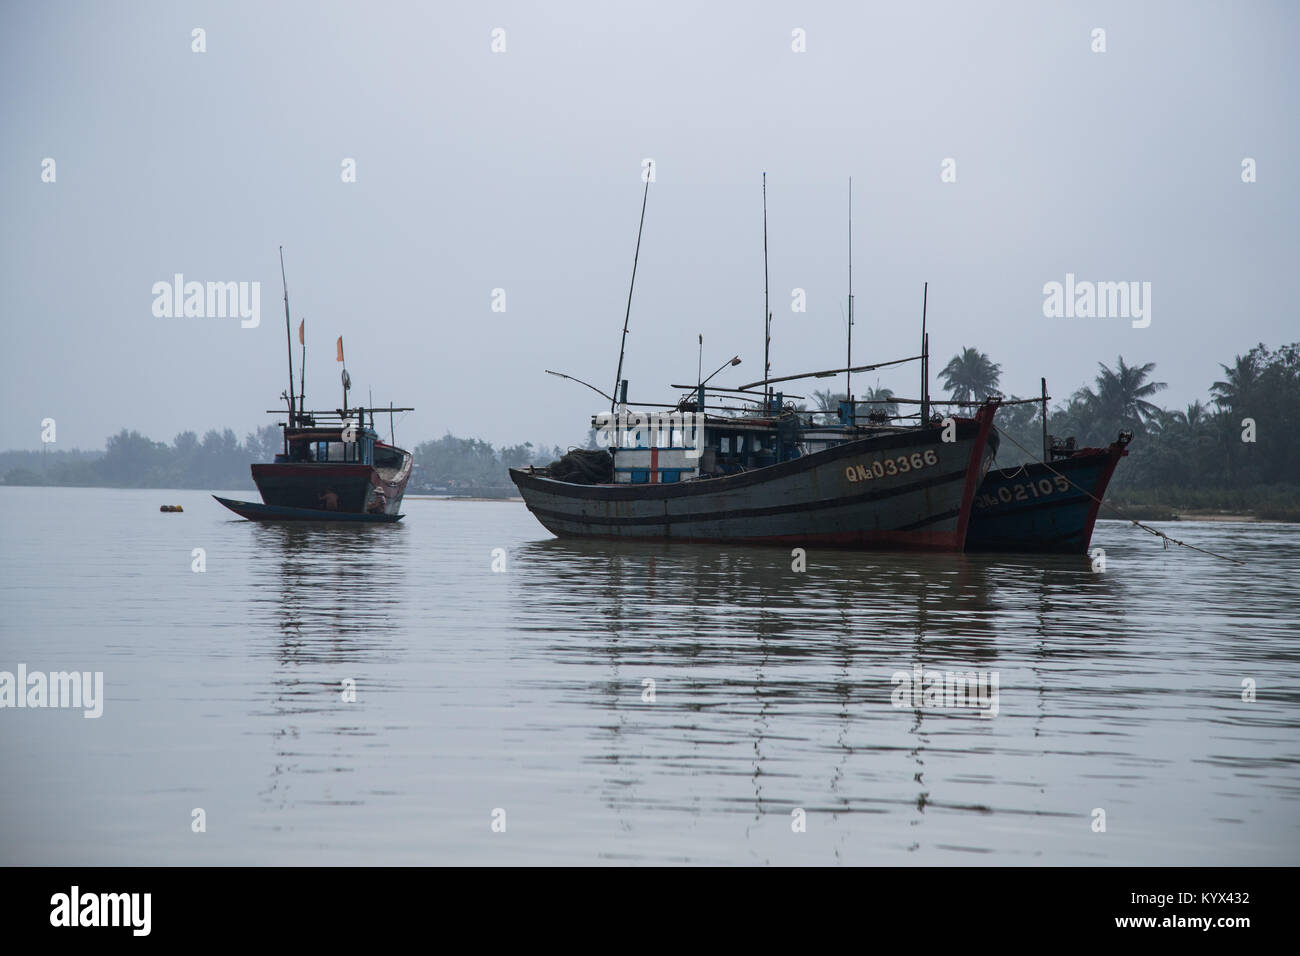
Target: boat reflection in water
786, 679
326, 633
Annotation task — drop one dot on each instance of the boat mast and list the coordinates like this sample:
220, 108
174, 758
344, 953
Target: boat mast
925, 358
302, 371
1046, 450
618, 377
848, 365
699, 373
767, 308
288, 338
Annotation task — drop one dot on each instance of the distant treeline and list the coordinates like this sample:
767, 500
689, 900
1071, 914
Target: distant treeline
1237, 450
220, 461
130, 460
452, 465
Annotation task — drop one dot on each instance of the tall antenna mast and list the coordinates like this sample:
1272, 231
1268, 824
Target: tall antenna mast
925, 359
767, 309
848, 365
699, 366
618, 377
288, 337
1047, 452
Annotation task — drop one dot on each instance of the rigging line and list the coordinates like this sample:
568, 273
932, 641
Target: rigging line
1147, 528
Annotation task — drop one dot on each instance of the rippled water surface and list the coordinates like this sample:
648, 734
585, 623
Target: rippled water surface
525, 691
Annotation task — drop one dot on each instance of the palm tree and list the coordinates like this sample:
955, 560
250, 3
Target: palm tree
1194, 419
828, 404
971, 376
1121, 397
879, 400
1240, 382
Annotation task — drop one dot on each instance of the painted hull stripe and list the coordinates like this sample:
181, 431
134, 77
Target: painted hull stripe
735, 514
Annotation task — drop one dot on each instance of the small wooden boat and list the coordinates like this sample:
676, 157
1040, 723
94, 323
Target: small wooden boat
335, 471
334, 466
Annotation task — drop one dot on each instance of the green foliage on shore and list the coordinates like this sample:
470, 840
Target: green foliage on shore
1280, 502
130, 460
1238, 451
452, 465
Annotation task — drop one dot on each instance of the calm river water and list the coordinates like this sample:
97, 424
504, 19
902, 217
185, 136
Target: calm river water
505, 716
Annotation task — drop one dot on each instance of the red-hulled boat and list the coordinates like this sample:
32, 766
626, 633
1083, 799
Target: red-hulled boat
333, 466
330, 471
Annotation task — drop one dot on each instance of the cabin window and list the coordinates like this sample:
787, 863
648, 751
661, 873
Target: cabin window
724, 444
322, 451
668, 477
641, 476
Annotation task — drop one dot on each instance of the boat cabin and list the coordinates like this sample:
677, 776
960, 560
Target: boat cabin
327, 445
730, 446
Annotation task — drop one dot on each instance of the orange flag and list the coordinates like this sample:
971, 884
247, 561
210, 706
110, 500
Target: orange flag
340, 348
301, 326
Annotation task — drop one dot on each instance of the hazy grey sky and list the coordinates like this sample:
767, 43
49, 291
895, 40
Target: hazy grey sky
521, 170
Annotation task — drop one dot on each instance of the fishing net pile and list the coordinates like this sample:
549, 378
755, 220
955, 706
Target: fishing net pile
582, 466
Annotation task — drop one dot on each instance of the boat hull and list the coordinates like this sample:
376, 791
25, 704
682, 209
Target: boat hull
255, 512
330, 487
862, 494
1037, 509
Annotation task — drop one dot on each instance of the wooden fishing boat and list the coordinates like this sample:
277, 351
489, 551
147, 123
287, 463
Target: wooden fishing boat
1045, 507
894, 489
766, 478
337, 471
333, 467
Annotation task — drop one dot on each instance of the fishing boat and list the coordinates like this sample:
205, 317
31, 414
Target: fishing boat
1045, 506
765, 477
889, 489
330, 470
333, 466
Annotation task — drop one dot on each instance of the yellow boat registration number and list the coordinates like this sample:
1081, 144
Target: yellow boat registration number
885, 467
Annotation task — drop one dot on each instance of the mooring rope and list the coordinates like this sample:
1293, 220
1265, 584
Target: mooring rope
1147, 528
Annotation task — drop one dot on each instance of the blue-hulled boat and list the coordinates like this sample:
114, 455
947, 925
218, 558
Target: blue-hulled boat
1044, 507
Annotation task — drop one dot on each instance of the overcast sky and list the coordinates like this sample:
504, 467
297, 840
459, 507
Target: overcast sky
521, 170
